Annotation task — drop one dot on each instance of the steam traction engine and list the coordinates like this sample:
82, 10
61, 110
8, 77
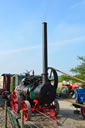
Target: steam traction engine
38, 93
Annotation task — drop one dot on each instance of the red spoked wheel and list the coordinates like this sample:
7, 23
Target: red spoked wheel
14, 102
27, 109
83, 112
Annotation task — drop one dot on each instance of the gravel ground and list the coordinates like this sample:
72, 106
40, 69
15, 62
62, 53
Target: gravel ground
66, 118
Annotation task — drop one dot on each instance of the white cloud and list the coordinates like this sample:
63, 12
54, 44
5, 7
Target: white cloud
71, 41
65, 34
78, 4
18, 50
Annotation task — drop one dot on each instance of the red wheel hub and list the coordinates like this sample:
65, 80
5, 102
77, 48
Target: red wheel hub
83, 110
25, 108
14, 102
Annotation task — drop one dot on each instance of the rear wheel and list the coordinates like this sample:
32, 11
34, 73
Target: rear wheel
27, 109
83, 112
64, 91
16, 102
55, 107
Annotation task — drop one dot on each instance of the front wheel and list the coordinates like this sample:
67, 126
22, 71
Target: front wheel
27, 109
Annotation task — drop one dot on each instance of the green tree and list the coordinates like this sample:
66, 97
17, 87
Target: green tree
79, 71
63, 77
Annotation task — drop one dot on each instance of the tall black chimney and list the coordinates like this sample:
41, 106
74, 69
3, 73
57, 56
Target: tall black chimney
45, 92
44, 50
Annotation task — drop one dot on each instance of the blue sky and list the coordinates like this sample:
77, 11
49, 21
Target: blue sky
21, 34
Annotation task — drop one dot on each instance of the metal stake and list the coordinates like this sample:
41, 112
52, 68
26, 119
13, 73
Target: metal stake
5, 114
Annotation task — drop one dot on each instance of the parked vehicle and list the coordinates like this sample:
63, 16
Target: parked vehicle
69, 90
38, 93
80, 100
